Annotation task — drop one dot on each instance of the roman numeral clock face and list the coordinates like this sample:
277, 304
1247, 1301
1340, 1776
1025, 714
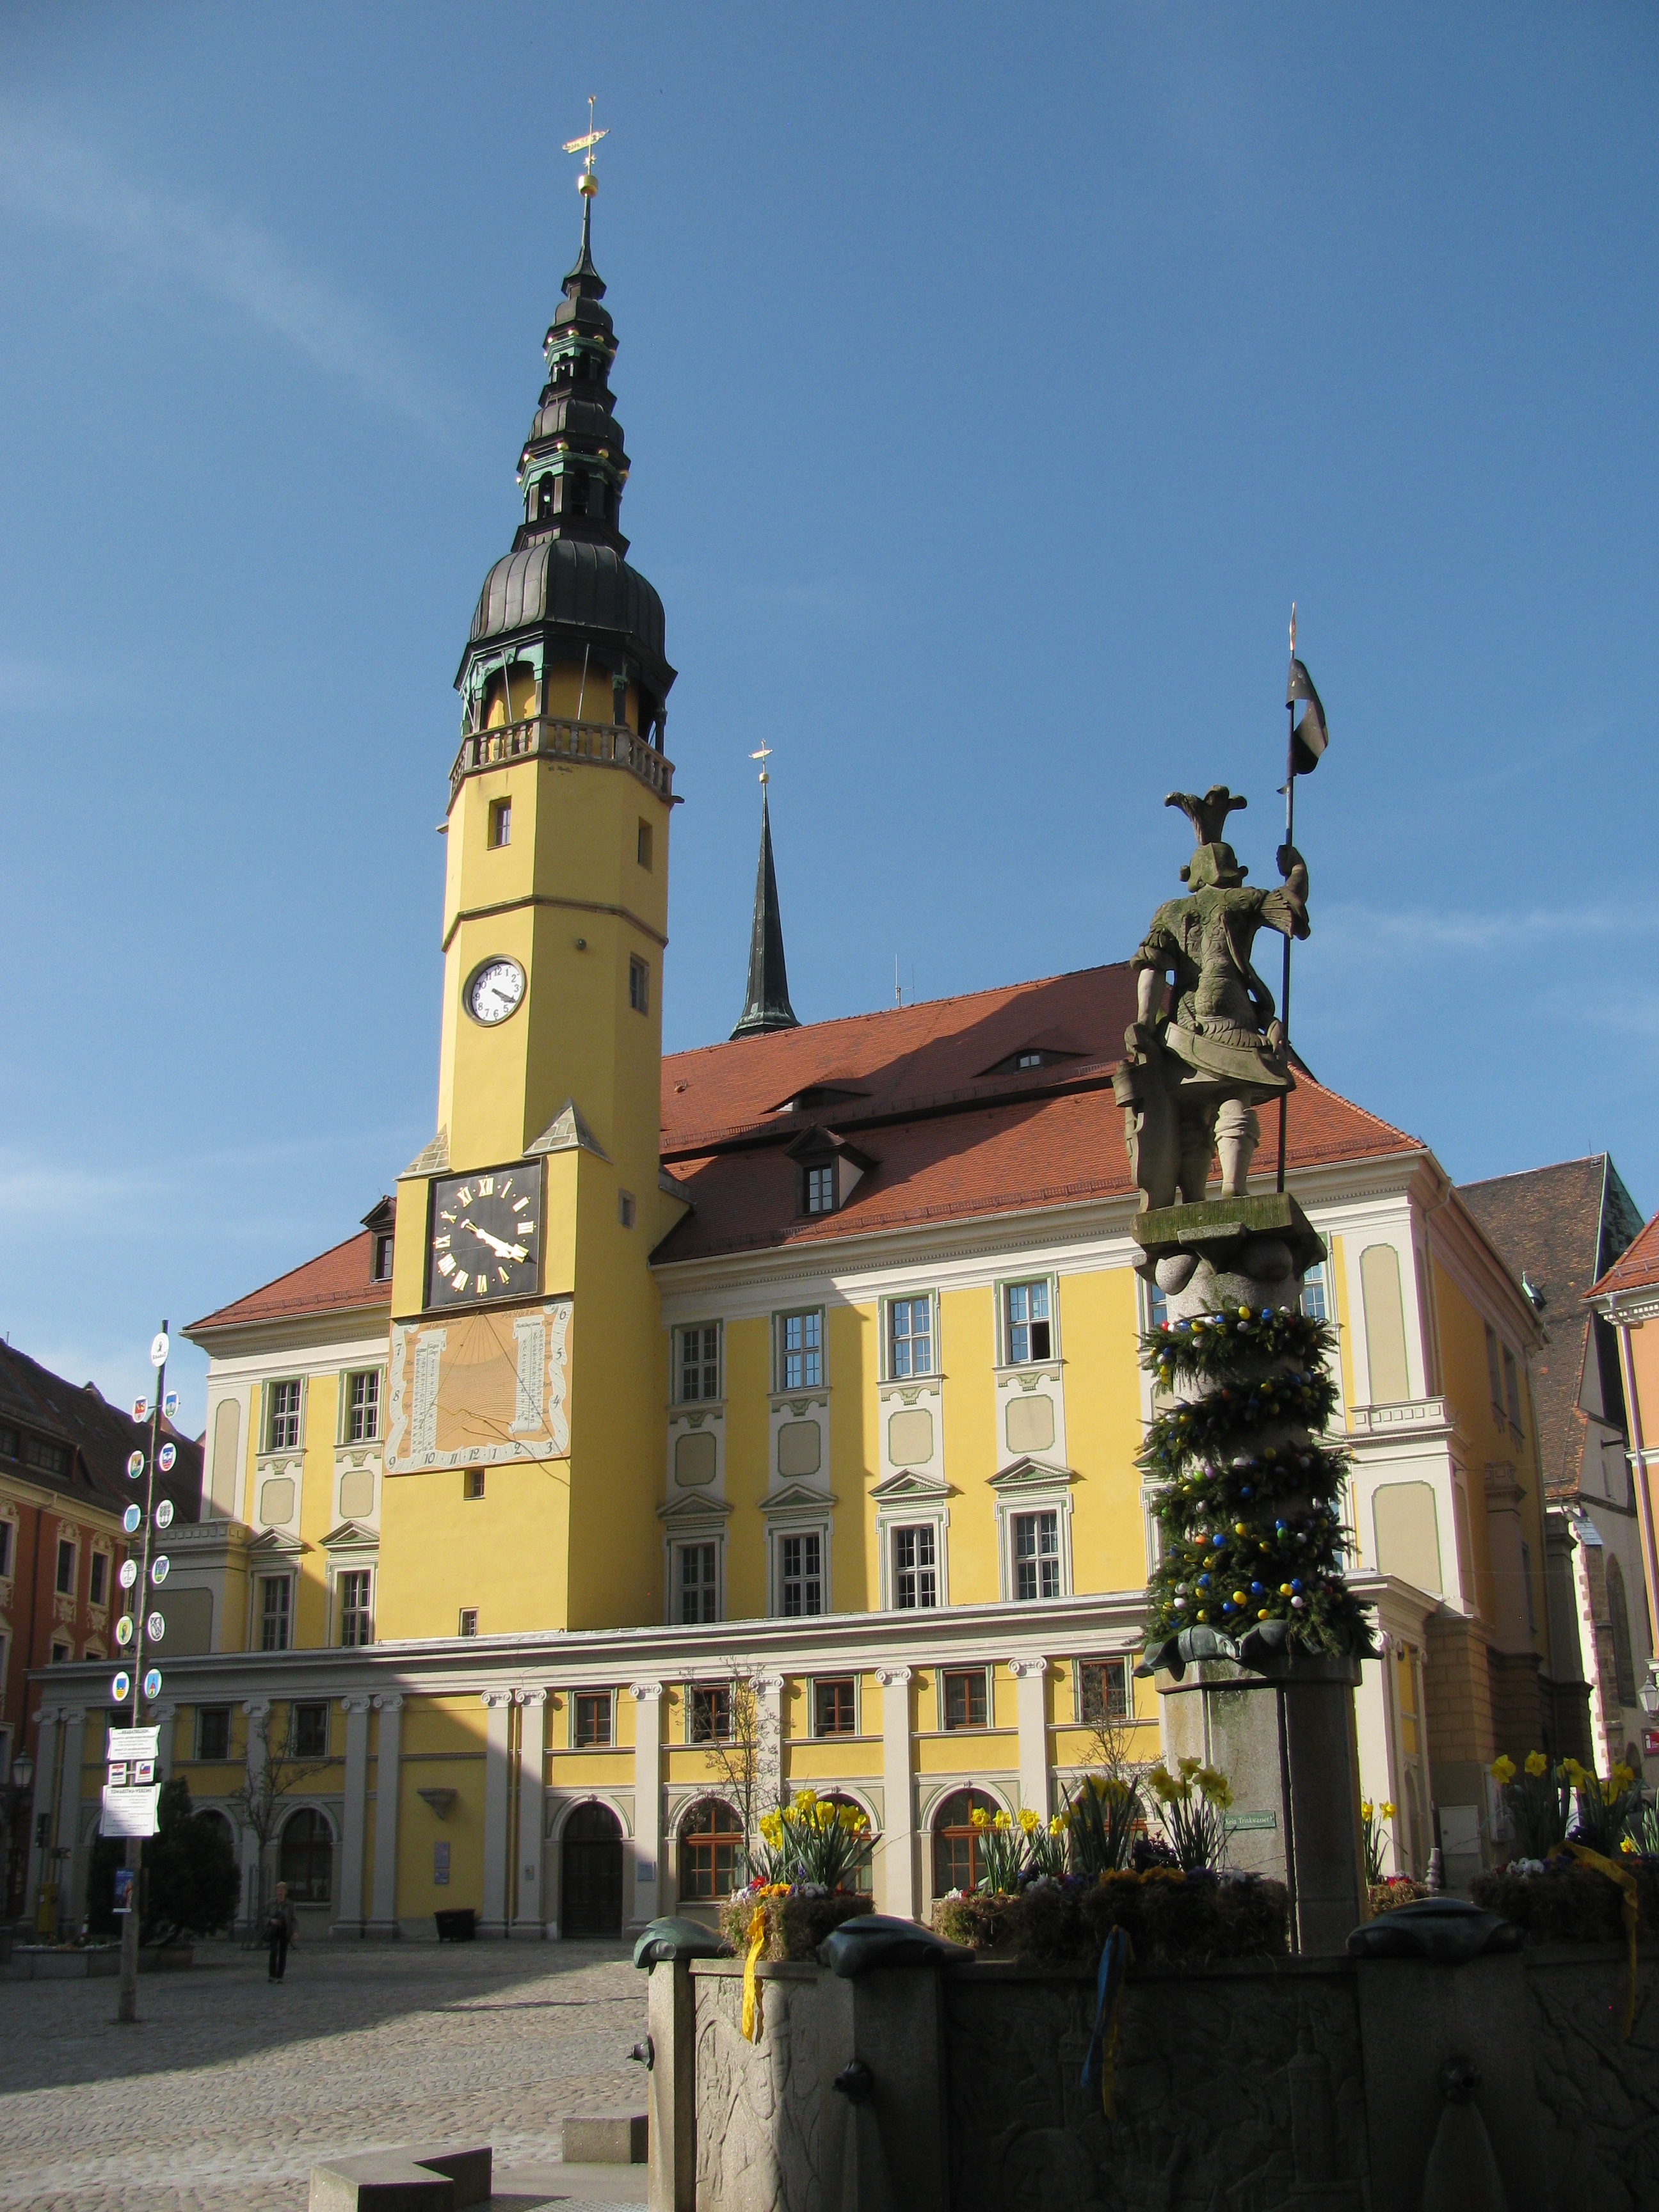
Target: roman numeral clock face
486, 1237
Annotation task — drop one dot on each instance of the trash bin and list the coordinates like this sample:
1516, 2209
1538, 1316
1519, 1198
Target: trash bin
460, 1925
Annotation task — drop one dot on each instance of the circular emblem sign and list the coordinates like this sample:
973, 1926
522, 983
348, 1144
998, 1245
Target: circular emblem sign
128, 1573
160, 1569
124, 1630
164, 1513
153, 1683
130, 1519
156, 1628
135, 1465
121, 1689
158, 1349
165, 1457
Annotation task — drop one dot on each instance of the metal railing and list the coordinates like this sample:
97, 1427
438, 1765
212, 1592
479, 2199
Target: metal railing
609, 745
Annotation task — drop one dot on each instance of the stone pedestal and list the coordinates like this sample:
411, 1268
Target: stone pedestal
1287, 1745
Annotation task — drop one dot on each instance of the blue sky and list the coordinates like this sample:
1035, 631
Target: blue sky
993, 379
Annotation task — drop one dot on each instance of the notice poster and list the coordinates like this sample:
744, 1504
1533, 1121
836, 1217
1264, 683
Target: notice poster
134, 1743
124, 1889
129, 1812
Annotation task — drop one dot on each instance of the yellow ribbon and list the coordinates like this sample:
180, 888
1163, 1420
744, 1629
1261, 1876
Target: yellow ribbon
751, 1996
1627, 1883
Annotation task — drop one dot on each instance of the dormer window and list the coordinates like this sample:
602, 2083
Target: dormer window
821, 1189
1029, 1060
1035, 1055
830, 1170
383, 1259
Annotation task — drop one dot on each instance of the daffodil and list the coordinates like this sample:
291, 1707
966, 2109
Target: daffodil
1029, 1820
1365, 1808
979, 1818
1502, 1770
1537, 1763
1387, 1809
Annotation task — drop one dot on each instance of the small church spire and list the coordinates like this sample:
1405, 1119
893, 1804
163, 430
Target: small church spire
767, 1005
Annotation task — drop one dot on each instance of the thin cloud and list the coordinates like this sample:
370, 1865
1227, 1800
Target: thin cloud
1378, 933
57, 180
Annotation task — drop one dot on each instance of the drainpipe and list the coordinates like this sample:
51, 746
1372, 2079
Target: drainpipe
1644, 1502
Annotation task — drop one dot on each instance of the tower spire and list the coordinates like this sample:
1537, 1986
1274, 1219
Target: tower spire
767, 1005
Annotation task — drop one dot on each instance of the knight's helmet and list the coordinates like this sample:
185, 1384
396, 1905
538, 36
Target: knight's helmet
1215, 861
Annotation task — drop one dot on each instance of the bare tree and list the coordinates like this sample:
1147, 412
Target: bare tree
743, 1760
261, 1799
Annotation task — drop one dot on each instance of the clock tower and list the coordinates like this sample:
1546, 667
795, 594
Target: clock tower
516, 1495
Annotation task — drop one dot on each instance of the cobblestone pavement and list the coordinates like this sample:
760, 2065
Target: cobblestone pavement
230, 2089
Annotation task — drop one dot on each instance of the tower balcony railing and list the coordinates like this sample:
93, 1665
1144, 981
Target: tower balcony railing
608, 745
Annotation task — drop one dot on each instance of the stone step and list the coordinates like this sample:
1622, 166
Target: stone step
410, 2180
606, 2139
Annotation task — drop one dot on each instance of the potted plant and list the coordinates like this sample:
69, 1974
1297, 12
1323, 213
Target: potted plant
802, 1878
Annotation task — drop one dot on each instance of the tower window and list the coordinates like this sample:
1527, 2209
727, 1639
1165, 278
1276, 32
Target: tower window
501, 821
625, 1208
642, 852
473, 1486
469, 1620
639, 986
544, 498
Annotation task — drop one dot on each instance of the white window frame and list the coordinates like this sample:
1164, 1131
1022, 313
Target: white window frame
1005, 1358
602, 1691
349, 1378
983, 1728
793, 1531
682, 1543
1024, 1497
464, 1614
783, 1388
338, 1608
700, 1328
911, 1299
910, 1509
823, 1174
262, 1577
1322, 1269
705, 1682
922, 1525
268, 1416
1043, 1521
308, 1704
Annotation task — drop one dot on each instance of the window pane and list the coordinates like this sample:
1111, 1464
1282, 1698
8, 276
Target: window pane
915, 1576
593, 1718
801, 1575
833, 1709
1315, 1297
965, 1698
911, 1337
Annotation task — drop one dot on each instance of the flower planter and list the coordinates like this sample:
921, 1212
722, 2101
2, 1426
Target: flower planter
1570, 1902
1171, 1919
1399, 1889
795, 1925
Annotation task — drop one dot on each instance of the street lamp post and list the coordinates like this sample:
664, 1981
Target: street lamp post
19, 1780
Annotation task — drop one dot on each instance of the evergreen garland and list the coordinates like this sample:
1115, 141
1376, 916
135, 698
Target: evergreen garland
1252, 1529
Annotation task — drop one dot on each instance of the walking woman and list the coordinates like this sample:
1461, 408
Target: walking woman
282, 1928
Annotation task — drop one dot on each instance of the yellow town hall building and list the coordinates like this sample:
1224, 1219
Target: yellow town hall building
767, 1413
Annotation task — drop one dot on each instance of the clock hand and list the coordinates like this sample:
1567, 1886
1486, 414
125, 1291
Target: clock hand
496, 1244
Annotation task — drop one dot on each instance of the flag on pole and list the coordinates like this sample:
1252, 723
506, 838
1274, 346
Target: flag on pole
1309, 737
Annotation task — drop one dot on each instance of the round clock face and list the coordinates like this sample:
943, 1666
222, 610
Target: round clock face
486, 1231
494, 991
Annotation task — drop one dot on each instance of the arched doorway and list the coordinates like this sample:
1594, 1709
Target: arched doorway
306, 1859
591, 1871
711, 1853
958, 1855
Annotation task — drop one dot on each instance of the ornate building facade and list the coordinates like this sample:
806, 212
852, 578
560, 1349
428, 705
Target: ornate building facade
683, 1431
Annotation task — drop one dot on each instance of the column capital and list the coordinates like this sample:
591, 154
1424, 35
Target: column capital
1019, 1668
47, 1716
892, 1678
257, 1709
644, 1690
766, 1686
530, 1697
356, 1704
74, 1716
390, 1702
494, 1699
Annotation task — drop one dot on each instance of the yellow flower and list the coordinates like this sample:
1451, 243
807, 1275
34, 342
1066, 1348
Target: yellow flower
825, 1813
1028, 1819
1057, 1826
1574, 1772
807, 1799
771, 1828
1536, 1763
1623, 1775
1502, 1770
1365, 1808
1002, 1823
979, 1818
1627, 1844
1190, 1767
1387, 1809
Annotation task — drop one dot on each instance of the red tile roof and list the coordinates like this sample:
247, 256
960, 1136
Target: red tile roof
336, 1282
1637, 1269
948, 1141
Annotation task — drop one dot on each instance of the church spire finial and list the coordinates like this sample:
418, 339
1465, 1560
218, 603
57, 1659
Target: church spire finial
766, 1005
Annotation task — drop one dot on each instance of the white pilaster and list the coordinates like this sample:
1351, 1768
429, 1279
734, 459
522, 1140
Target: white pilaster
498, 1723
257, 1710
69, 1817
894, 1867
388, 1779
768, 1741
648, 1888
45, 1795
1033, 1721
529, 1917
353, 1817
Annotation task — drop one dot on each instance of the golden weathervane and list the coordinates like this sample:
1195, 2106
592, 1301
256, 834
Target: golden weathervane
586, 183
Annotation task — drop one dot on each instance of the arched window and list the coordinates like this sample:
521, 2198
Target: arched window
544, 498
711, 1850
861, 1873
1623, 1663
958, 1860
307, 1864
